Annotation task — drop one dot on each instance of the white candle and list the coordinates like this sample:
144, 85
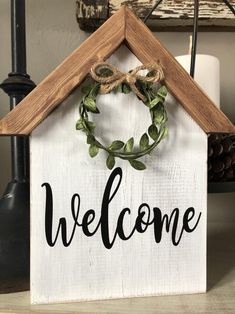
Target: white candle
207, 74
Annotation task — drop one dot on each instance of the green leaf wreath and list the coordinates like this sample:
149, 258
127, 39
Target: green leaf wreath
157, 131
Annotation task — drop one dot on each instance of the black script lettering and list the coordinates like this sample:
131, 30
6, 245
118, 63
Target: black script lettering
187, 219
104, 220
141, 225
62, 222
159, 221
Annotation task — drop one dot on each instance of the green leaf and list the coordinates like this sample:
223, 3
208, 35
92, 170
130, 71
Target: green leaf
148, 95
162, 92
129, 145
150, 74
126, 89
110, 162
116, 145
105, 72
90, 126
153, 132
90, 104
138, 165
86, 89
95, 91
119, 88
90, 139
158, 114
144, 141
154, 102
93, 150
165, 132
79, 125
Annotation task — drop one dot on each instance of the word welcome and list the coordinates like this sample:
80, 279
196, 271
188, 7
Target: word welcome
142, 222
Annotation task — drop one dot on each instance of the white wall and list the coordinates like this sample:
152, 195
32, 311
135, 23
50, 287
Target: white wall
53, 33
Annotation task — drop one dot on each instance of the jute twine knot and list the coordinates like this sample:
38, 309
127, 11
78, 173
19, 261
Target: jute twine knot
115, 77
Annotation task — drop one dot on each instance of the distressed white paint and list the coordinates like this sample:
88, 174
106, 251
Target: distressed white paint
90, 10
213, 9
176, 176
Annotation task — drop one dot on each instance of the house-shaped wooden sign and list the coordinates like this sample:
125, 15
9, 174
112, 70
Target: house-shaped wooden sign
98, 233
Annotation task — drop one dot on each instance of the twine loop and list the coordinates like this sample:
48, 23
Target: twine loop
115, 77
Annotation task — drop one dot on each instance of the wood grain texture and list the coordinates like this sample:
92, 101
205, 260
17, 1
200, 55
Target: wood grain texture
67, 76
59, 84
148, 48
171, 15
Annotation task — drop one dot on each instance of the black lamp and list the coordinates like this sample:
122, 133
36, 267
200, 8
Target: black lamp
14, 204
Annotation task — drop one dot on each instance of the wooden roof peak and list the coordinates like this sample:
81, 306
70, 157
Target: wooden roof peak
122, 26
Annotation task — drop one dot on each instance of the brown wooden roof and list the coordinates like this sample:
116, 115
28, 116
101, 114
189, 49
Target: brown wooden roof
122, 26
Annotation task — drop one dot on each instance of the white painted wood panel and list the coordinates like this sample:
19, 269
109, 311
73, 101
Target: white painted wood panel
176, 176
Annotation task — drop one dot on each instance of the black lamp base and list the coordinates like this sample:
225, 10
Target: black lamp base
14, 238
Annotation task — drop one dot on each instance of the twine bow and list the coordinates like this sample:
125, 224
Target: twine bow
115, 77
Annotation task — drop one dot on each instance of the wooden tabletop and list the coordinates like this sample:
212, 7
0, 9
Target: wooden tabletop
220, 297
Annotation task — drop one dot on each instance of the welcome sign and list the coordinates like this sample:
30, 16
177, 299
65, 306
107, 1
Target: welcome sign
143, 220
100, 234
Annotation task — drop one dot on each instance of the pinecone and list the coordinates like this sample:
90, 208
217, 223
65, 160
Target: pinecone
221, 158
